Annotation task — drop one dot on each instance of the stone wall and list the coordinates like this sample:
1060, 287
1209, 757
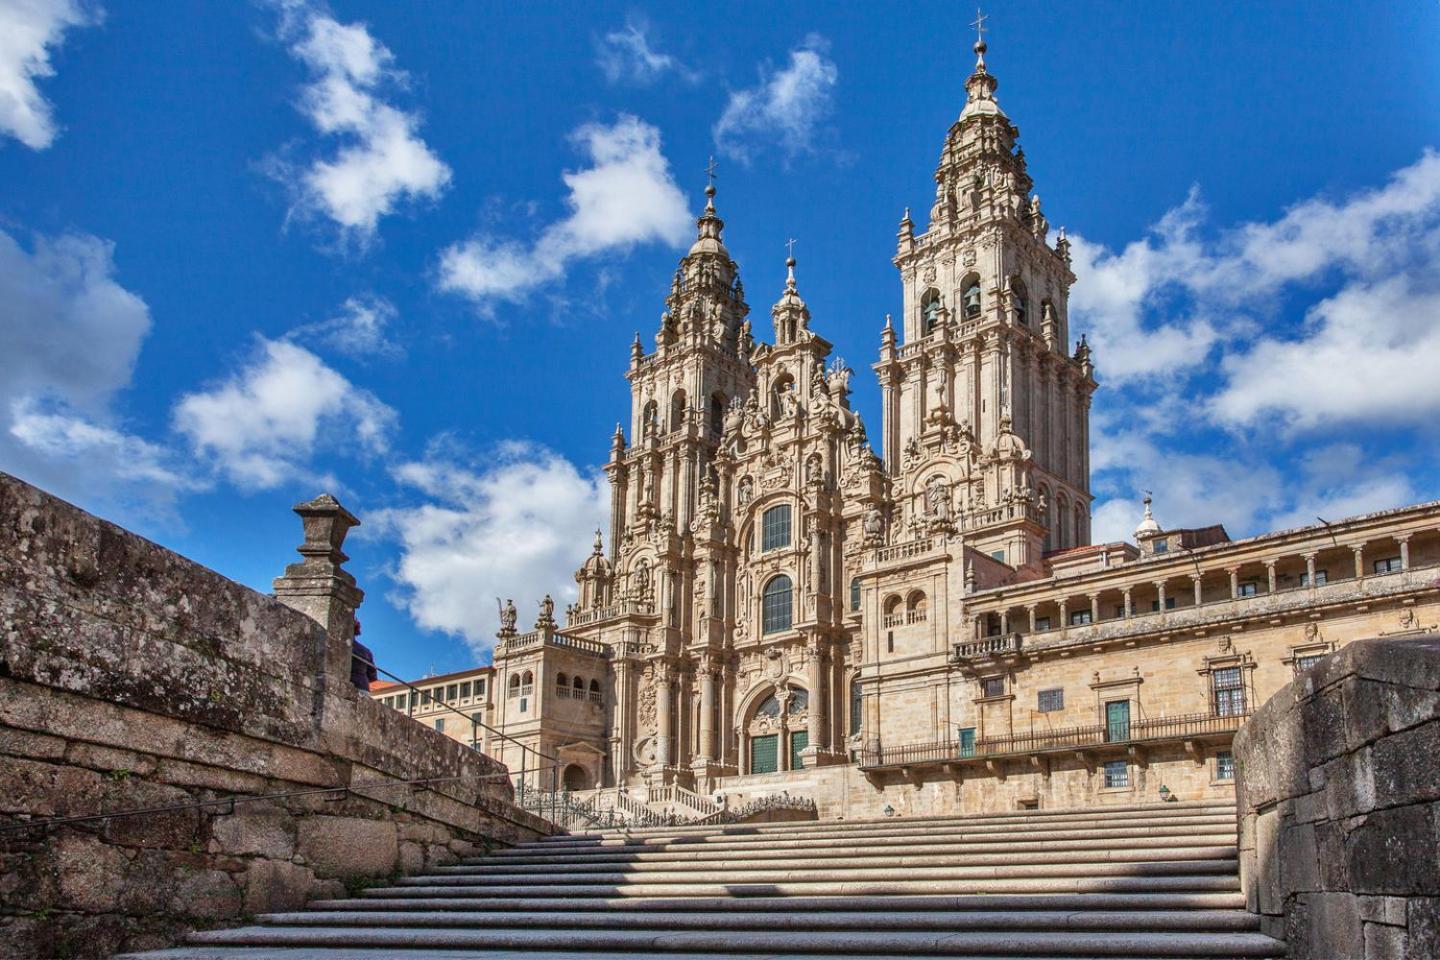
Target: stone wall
1339, 793
132, 678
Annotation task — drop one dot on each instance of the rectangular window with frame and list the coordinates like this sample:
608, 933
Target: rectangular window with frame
998, 555
1162, 546
1306, 661
775, 528
451, 692
1322, 577
1079, 618
1248, 589
1229, 687
479, 688
1048, 701
1042, 623
1169, 604
1387, 565
440, 724
1224, 765
1117, 774
465, 690
992, 687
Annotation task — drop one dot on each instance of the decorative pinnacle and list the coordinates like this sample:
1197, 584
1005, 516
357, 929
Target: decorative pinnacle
790, 263
979, 24
710, 186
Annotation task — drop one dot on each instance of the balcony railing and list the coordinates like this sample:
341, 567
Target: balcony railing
1053, 741
988, 647
904, 551
625, 608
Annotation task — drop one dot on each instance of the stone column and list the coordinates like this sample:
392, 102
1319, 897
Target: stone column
1129, 604
1094, 608
319, 587
1031, 610
1359, 551
1270, 575
1310, 570
1234, 582
664, 719
1064, 615
707, 713
1160, 591
1004, 623
1196, 579
1404, 541
815, 678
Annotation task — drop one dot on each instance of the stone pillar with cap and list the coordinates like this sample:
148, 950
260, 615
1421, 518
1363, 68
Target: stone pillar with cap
319, 587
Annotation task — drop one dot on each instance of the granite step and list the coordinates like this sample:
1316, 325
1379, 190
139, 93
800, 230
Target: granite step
728, 942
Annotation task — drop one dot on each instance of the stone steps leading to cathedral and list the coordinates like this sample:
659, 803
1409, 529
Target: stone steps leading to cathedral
1157, 881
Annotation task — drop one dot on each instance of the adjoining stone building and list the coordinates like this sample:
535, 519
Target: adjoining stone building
928, 629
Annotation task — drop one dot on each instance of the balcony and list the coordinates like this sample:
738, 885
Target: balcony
1188, 729
615, 611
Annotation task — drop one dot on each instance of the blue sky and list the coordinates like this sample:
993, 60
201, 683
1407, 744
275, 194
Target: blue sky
249, 251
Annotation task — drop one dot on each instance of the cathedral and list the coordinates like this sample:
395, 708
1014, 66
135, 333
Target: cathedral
920, 626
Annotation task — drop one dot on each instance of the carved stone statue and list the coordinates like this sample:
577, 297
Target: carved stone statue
508, 617
874, 524
642, 580
547, 613
937, 498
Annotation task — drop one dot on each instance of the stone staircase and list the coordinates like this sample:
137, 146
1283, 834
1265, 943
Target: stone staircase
1136, 881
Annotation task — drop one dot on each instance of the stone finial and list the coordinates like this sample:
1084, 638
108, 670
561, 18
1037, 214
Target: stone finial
319, 587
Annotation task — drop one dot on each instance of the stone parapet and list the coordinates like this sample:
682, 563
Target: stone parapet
1339, 802
133, 678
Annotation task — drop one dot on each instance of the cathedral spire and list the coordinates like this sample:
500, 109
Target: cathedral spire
980, 87
791, 316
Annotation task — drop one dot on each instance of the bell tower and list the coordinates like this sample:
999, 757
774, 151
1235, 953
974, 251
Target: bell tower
982, 371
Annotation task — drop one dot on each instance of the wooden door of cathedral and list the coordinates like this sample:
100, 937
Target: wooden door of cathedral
765, 753
799, 740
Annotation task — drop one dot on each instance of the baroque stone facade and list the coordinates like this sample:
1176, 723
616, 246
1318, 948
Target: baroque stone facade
927, 629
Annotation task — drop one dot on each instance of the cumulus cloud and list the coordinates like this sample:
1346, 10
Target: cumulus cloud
627, 196
626, 56
516, 527
358, 329
785, 110
381, 161
69, 342
262, 426
30, 31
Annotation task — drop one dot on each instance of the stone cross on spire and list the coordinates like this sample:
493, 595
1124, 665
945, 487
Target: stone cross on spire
710, 170
979, 24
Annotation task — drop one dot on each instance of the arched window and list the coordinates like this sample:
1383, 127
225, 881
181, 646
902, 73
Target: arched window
1048, 517
892, 605
1079, 524
775, 607
717, 413
769, 707
527, 683
915, 603
929, 312
855, 594
562, 682
677, 410
650, 419
799, 700
775, 528
595, 690
970, 297
1021, 299
514, 690
1062, 522
855, 706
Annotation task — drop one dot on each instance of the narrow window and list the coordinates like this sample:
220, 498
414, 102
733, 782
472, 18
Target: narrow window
929, 312
855, 594
776, 606
465, 690
775, 528
595, 691
440, 724
971, 299
1229, 692
855, 707
967, 742
1117, 774
451, 692
1224, 765
1048, 701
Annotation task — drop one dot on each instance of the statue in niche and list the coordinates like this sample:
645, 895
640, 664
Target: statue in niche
746, 491
937, 498
641, 580
814, 468
874, 525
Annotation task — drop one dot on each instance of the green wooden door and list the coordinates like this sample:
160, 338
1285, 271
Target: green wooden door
1117, 720
967, 742
765, 754
799, 740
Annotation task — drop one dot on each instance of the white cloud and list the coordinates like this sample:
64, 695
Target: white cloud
357, 330
785, 110
626, 197
262, 426
517, 527
382, 161
1158, 309
69, 341
626, 56
29, 32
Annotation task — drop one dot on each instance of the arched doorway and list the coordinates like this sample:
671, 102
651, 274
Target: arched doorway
576, 777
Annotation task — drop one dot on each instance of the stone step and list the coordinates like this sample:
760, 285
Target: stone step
869, 859
1090, 865
932, 920
838, 849
892, 828
216, 952
1014, 817
1145, 901
727, 943
834, 859
1224, 880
